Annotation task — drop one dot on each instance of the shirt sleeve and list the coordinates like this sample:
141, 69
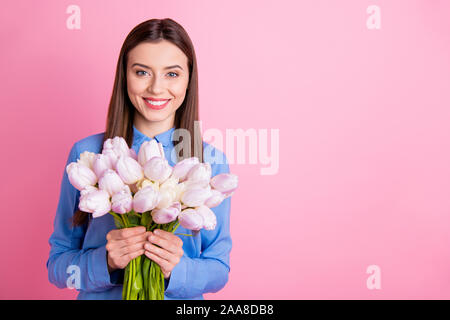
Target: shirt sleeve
68, 264
192, 277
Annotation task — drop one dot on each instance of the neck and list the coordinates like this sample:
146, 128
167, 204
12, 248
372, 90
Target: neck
152, 128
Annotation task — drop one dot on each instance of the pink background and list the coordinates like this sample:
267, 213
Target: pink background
364, 175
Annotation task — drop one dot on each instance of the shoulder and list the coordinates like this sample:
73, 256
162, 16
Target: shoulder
92, 143
216, 158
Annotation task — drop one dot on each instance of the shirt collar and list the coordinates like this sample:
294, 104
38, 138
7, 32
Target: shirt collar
164, 137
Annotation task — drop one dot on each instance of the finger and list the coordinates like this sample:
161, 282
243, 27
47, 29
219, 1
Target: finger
170, 245
165, 265
132, 240
114, 235
131, 248
164, 234
161, 253
130, 232
132, 255
169, 236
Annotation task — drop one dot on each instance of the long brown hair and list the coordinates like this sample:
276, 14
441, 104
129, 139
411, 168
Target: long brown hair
121, 111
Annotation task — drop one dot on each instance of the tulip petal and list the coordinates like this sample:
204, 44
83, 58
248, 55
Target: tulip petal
190, 219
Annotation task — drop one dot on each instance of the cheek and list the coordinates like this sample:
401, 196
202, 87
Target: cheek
135, 87
179, 90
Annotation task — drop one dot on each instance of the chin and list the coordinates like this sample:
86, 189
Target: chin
156, 118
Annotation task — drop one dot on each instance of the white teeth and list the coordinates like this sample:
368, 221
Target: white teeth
156, 103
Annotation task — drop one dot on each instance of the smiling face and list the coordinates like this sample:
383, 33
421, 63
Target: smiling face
157, 80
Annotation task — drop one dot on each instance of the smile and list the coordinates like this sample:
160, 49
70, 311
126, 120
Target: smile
156, 104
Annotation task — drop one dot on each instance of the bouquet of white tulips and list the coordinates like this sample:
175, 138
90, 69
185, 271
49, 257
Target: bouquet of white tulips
144, 190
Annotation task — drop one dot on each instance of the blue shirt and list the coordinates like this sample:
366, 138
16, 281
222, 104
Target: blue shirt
203, 268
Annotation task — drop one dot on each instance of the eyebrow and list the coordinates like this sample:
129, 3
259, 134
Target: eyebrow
147, 67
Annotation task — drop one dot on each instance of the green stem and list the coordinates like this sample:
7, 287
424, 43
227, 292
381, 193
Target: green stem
177, 224
129, 266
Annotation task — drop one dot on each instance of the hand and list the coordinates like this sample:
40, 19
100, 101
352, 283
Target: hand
124, 245
169, 252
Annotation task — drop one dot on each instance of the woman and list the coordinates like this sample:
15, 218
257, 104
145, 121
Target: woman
155, 96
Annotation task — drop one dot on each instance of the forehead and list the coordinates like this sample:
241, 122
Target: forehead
157, 55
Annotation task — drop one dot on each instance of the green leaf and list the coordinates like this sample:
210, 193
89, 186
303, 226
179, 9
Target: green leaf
133, 221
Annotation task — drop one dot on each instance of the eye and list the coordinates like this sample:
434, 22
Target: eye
137, 72
176, 74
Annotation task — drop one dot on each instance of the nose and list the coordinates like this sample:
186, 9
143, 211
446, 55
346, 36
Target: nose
156, 85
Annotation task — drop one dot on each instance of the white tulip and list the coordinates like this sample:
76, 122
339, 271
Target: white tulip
181, 169
148, 150
216, 198
157, 169
110, 182
209, 218
226, 183
146, 182
122, 201
168, 193
145, 199
200, 172
195, 197
87, 158
166, 215
102, 163
94, 201
190, 219
129, 170
80, 176
180, 188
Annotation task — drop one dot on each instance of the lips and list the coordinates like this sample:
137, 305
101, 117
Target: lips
156, 104
155, 99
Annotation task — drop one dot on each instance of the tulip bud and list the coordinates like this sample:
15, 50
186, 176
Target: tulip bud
180, 188
101, 164
166, 215
129, 170
145, 182
145, 199
216, 198
133, 154
199, 184
225, 183
113, 157
168, 193
118, 145
122, 201
157, 169
148, 150
80, 176
170, 182
200, 172
87, 159
110, 182
190, 219
195, 197
209, 218
94, 201
181, 169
